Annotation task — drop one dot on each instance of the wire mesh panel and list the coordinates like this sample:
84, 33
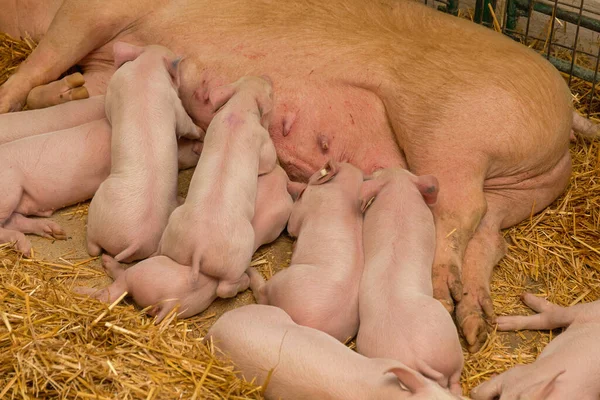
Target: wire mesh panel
566, 32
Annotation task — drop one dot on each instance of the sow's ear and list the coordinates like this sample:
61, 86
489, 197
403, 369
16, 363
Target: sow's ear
325, 174
123, 52
429, 187
295, 189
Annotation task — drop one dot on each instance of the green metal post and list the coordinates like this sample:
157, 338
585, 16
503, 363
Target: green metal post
511, 15
452, 7
482, 11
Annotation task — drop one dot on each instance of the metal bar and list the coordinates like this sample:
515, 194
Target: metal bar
588, 10
452, 7
482, 12
575, 44
511, 16
593, 86
501, 15
579, 72
529, 9
552, 28
478, 13
568, 16
565, 66
515, 33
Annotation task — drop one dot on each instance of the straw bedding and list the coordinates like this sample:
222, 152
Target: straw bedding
55, 344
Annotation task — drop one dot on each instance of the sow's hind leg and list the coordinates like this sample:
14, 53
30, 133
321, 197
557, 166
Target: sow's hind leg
475, 311
460, 207
507, 206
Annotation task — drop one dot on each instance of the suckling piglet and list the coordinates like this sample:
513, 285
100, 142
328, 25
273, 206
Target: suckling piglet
192, 292
131, 208
45, 172
399, 318
296, 362
320, 287
212, 231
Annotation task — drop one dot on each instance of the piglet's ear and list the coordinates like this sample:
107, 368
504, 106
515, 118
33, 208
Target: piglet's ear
368, 191
265, 100
123, 52
295, 189
413, 380
325, 174
429, 187
173, 68
221, 95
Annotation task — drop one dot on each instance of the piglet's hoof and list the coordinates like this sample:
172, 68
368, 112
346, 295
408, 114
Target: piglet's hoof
51, 229
68, 88
21, 243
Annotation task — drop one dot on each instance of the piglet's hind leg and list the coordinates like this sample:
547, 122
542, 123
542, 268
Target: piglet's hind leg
257, 285
18, 238
115, 290
41, 227
112, 267
10, 196
107, 295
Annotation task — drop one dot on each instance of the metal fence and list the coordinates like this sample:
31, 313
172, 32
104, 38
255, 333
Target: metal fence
563, 25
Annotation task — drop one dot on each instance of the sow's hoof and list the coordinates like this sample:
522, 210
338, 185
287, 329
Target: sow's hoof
67, 89
12, 96
447, 285
473, 314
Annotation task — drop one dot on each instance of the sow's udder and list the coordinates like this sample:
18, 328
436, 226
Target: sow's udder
314, 122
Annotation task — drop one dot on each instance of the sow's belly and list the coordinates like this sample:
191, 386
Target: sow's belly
316, 121
318, 114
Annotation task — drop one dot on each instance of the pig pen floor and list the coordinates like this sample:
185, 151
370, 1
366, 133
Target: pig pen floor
54, 344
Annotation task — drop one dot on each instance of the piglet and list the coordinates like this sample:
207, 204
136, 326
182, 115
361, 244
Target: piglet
295, 362
569, 366
42, 173
185, 288
399, 318
320, 288
212, 231
131, 208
